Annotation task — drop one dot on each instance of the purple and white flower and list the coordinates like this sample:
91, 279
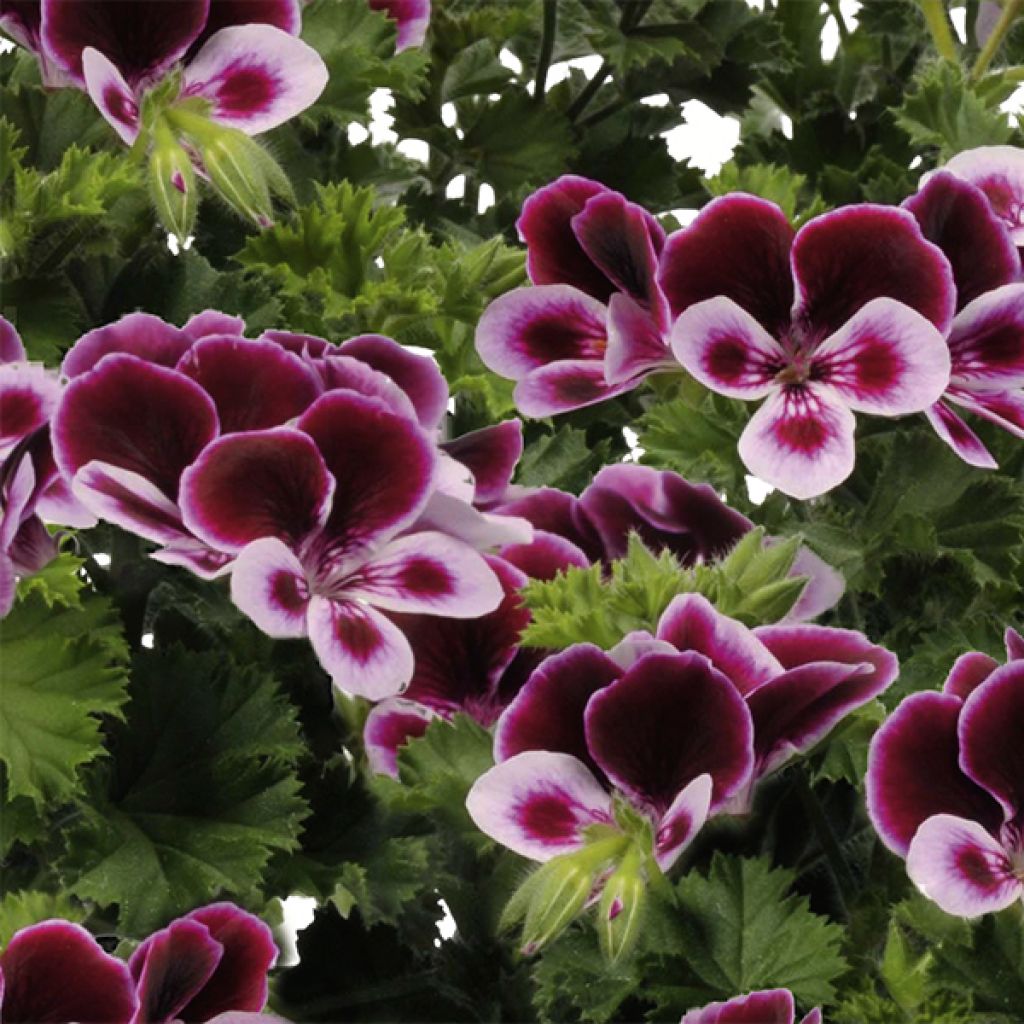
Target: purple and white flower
846, 315
945, 785
999, 172
768, 1006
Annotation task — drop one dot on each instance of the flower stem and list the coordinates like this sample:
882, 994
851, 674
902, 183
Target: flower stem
547, 46
934, 12
1011, 8
580, 103
826, 838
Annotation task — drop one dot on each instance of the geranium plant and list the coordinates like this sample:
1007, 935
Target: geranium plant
467, 553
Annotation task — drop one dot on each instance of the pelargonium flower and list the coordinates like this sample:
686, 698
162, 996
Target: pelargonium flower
845, 315
55, 971
945, 784
985, 337
768, 1006
210, 962
412, 18
595, 321
999, 172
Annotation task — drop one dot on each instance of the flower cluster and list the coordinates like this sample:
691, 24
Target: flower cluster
945, 784
274, 460
210, 965
853, 312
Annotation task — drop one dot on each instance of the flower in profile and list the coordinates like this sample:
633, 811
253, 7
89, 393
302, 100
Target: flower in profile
594, 323
945, 786
845, 315
985, 346
768, 1006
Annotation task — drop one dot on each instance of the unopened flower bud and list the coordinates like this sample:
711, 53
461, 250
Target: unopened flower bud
621, 910
561, 895
172, 183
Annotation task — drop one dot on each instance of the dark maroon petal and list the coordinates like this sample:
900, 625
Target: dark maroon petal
171, 967
11, 348
557, 512
738, 247
29, 394
914, 772
263, 483
418, 376
999, 172
548, 713
490, 454
969, 671
21, 20
212, 321
301, 344
772, 1006
353, 374
254, 384
990, 731
668, 512
844, 259
1014, 644
283, 14
134, 415
545, 556
137, 334
459, 662
363, 444
618, 238
957, 217
142, 39
668, 719
802, 644
389, 726
554, 254
240, 980
56, 972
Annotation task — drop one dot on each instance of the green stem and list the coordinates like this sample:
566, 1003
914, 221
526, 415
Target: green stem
1011, 8
827, 840
547, 46
579, 104
836, 11
934, 12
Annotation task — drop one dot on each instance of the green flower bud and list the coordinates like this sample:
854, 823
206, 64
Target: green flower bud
172, 183
560, 894
623, 905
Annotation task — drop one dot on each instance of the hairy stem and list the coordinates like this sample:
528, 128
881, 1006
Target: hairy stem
934, 12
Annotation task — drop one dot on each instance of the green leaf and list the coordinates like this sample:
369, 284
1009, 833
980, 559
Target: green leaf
59, 583
846, 749
780, 185
200, 791
746, 930
563, 459
384, 882
29, 906
63, 669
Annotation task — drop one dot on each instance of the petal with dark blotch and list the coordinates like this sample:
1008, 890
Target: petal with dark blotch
1014, 644
390, 725
824, 587
240, 980
490, 454
29, 394
800, 441
668, 719
844, 259
11, 348
682, 821
961, 867
363, 442
417, 375
548, 712
986, 341
886, 359
212, 321
990, 728
554, 254
999, 172
557, 512
738, 248
137, 416
141, 40
112, 95
529, 328
129, 500
801, 644
964, 441
957, 217
255, 76
21, 20
136, 334
55, 972
412, 17
914, 772
195, 556
340, 371
8, 588
18, 487
691, 623
261, 483
269, 585
429, 573
364, 652
254, 384
171, 967
797, 709
538, 803
969, 671
617, 237
812, 1017
545, 556
770, 1006
564, 386
1005, 409
637, 345
726, 349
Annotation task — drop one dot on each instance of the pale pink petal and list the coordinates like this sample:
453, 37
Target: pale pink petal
999, 172
636, 343
964, 441
682, 821
566, 385
112, 95
389, 726
269, 585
